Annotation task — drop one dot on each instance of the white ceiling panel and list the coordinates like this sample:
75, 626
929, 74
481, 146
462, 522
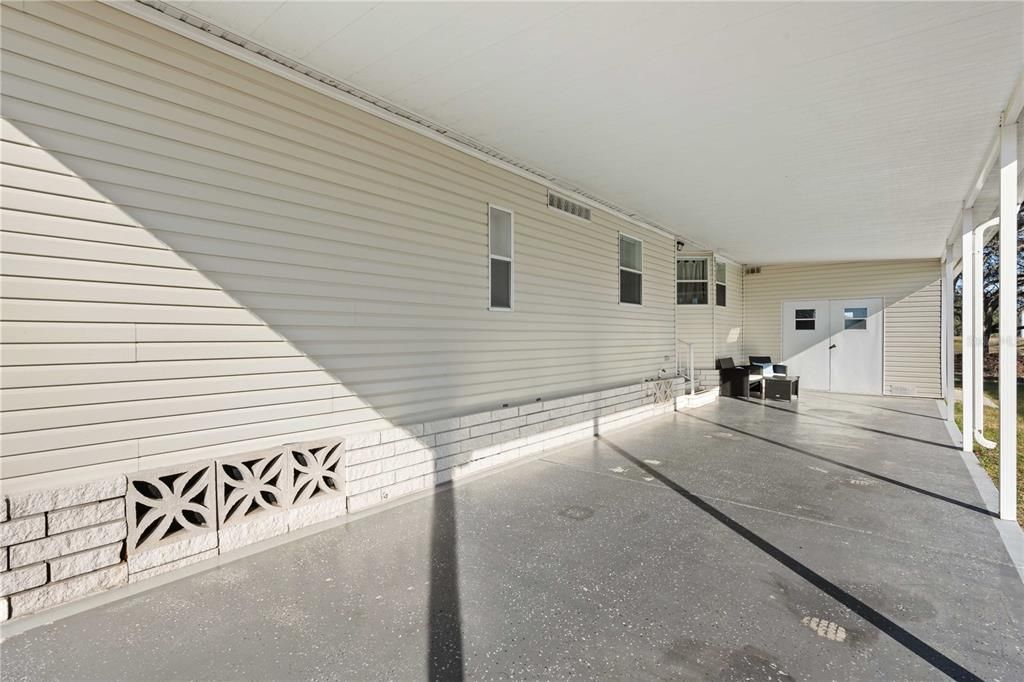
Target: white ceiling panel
386, 28
775, 132
246, 16
298, 28
475, 30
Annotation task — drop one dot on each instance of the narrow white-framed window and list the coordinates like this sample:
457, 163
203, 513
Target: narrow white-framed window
720, 283
692, 281
631, 270
500, 229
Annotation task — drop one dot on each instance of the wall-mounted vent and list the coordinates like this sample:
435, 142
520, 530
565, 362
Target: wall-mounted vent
573, 208
752, 270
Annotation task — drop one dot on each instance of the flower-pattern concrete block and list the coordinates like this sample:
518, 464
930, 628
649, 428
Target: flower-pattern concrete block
250, 486
317, 470
171, 504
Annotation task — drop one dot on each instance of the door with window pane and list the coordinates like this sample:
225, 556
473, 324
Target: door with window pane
834, 345
805, 340
856, 347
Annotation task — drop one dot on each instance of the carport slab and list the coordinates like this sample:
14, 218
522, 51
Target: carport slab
695, 545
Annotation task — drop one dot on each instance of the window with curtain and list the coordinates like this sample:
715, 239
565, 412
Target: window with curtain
692, 281
720, 284
631, 270
500, 226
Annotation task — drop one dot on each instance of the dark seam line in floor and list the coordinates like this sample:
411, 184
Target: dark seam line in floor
795, 517
866, 472
887, 409
848, 425
912, 643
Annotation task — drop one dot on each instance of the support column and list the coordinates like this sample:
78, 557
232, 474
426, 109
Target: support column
967, 329
947, 333
1007, 320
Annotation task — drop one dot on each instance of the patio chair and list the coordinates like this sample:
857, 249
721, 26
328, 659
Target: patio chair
765, 366
735, 380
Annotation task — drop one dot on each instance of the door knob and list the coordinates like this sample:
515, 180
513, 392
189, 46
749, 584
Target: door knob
832, 346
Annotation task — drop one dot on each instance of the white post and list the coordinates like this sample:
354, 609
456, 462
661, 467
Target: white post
1007, 317
978, 314
947, 333
693, 377
967, 329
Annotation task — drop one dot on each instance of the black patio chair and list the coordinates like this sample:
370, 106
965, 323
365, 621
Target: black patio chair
759, 361
735, 380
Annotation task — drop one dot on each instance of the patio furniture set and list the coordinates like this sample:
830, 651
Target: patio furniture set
760, 376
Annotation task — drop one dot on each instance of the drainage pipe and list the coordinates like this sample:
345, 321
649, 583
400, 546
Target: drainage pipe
978, 301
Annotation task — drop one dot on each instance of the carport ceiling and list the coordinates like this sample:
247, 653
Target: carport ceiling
775, 132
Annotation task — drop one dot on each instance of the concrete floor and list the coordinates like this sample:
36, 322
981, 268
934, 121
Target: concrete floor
696, 545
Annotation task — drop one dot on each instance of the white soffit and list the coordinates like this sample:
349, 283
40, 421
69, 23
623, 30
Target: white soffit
773, 132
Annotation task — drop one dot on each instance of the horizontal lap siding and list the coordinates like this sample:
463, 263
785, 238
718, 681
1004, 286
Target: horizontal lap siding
729, 318
911, 292
201, 257
695, 323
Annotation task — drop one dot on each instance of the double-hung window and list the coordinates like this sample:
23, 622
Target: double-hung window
719, 283
500, 226
631, 270
692, 281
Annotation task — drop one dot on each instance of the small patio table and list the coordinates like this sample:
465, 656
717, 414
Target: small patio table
780, 388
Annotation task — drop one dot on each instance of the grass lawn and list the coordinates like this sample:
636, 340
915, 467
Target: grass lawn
989, 459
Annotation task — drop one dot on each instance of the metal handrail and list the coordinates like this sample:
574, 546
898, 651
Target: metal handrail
689, 364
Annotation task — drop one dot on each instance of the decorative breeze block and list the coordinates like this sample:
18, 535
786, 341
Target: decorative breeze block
317, 471
167, 505
251, 486
662, 391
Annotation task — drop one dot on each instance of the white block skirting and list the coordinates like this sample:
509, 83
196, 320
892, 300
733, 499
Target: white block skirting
61, 544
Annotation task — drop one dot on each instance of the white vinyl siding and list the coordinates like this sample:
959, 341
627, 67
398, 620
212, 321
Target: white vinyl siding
714, 330
729, 318
911, 295
201, 258
695, 324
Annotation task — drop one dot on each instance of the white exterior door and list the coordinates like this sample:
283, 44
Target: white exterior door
805, 342
856, 360
834, 345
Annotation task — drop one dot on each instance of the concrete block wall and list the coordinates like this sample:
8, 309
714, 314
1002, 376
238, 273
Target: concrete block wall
388, 464
61, 544
706, 378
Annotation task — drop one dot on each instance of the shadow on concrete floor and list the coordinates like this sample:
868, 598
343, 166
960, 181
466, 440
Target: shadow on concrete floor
914, 644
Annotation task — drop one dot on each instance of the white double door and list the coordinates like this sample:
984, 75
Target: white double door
834, 345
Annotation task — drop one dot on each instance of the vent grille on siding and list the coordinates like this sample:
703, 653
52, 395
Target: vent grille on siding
753, 270
571, 207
